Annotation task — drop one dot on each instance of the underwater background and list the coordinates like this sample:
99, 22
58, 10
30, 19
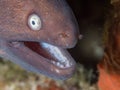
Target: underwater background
13, 77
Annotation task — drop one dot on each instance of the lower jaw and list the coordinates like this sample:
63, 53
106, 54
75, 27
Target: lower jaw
50, 64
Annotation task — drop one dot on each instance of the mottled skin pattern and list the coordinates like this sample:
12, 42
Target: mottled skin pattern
58, 28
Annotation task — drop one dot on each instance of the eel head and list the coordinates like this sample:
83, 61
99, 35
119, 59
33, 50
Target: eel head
35, 35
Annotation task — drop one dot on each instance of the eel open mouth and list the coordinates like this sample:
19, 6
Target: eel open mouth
41, 57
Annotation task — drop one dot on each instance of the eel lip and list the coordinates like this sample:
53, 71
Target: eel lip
43, 58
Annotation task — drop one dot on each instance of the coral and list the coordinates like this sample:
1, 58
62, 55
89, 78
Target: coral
111, 60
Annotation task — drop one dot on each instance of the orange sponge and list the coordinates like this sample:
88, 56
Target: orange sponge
108, 81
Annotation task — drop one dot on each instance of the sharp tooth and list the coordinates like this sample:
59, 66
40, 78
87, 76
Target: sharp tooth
53, 62
15, 44
58, 63
62, 66
57, 71
67, 64
62, 61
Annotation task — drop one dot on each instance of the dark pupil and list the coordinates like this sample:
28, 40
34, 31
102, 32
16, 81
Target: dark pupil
33, 22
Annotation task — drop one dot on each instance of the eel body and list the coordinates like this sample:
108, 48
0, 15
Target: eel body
35, 35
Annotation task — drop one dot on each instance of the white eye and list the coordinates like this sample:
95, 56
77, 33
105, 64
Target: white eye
34, 22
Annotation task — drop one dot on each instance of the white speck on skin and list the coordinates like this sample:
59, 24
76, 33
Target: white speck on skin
57, 70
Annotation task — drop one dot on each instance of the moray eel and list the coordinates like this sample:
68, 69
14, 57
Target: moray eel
35, 35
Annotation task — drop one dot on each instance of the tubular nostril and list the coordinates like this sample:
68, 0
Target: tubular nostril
66, 39
63, 35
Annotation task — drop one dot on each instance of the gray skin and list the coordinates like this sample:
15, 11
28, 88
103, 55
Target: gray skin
18, 40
